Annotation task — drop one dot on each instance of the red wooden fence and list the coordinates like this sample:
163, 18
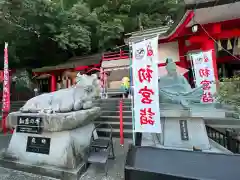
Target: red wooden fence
121, 54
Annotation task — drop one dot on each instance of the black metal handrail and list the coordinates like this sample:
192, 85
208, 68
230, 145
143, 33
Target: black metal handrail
225, 139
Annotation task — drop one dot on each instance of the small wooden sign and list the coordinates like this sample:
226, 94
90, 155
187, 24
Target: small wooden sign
40, 145
29, 124
184, 130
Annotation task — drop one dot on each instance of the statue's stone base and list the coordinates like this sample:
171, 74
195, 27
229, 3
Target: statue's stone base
192, 135
183, 133
196, 110
207, 111
67, 148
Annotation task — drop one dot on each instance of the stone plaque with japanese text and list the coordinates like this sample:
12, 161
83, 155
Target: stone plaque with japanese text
38, 145
29, 124
184, 130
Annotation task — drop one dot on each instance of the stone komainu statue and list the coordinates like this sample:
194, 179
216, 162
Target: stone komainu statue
75, 98
65, 116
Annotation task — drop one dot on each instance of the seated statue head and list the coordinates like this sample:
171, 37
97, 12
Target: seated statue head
171, 67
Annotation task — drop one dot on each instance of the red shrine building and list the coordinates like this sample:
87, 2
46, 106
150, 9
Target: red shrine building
206, 25
203, 26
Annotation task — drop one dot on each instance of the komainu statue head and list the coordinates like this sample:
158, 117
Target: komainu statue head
91, 84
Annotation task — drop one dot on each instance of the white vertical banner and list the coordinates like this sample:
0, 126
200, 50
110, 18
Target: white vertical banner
145, 80
204, 75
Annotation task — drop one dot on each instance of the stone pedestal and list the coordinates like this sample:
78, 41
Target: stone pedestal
52, 145
185, 133
67, 148
184, 128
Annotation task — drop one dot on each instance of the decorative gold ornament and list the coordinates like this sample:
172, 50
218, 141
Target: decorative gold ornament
229, 45
238, 42
219, 45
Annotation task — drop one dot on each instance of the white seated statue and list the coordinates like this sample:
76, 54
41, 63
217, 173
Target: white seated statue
174, 88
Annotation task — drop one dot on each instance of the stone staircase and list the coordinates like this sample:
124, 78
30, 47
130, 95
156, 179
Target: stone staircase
110, 115
15, 105
114, 93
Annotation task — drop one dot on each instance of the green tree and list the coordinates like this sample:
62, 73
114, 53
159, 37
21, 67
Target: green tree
47, 32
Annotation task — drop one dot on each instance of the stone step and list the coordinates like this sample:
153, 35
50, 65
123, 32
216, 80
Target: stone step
115, 118
113, 100
107, 104
115, 125
116, 113
115, 108
104, 132
113, 90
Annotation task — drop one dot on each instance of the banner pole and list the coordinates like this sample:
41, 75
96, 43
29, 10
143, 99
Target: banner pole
6, 91
131, 90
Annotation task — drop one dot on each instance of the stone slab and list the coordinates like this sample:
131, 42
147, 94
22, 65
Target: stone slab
67, 148
211, 113
197, 135
154, 141
196, 110
47, 171
174, 113
59, 121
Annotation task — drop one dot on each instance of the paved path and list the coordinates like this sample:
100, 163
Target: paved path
95, 172
115, 167
8, 174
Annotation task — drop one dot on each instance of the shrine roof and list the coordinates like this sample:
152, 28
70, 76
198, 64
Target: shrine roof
214, 12
193, 12
145, 34
73, 63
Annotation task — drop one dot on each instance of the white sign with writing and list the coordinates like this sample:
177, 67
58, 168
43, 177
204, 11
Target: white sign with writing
145, 81
204, 75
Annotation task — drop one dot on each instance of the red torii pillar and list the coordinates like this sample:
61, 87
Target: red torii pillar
53, 82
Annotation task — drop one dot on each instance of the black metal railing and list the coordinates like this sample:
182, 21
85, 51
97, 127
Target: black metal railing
226, 139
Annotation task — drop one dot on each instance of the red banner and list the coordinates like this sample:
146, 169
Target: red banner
6, 90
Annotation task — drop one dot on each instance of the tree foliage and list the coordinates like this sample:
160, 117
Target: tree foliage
44, 32
229, 91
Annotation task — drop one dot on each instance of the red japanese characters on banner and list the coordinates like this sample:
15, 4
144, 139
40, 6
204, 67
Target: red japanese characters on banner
204, 72
146, 116
207, 97
149, 50
204, 75
205, 57
146, 95
145, 76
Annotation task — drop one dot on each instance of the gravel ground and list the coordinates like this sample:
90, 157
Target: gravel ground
9, 174
94, 172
